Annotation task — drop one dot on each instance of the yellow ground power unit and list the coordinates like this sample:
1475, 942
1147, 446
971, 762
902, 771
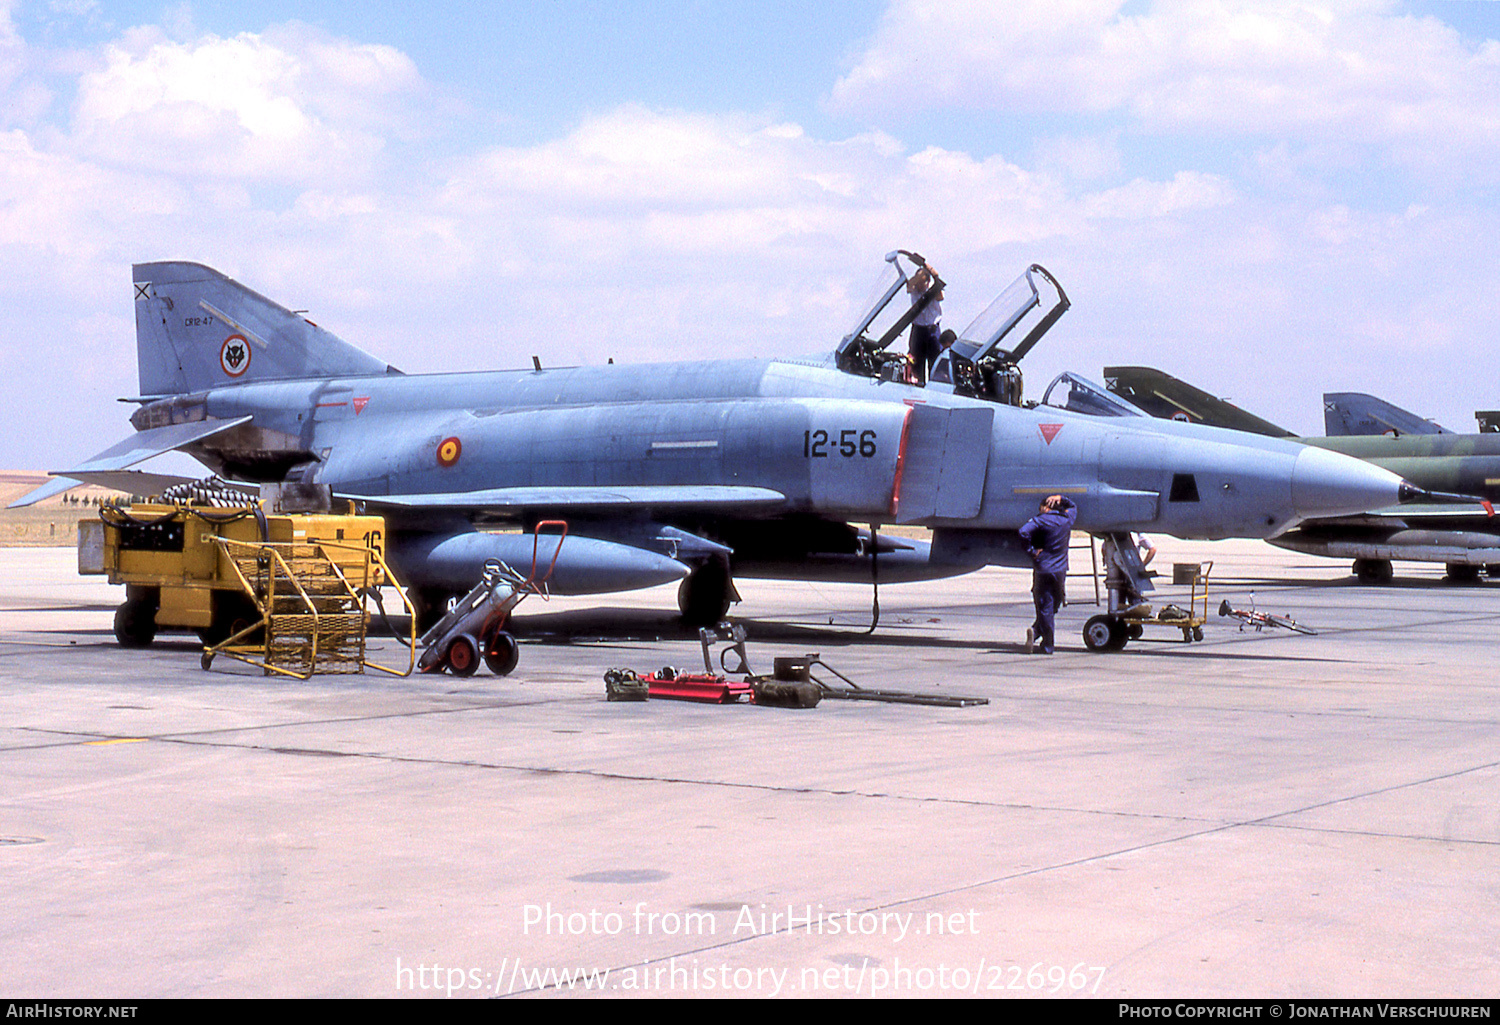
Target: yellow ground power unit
286, 591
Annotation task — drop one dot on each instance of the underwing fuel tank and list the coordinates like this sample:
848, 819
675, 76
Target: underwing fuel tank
1377, 543
584, 565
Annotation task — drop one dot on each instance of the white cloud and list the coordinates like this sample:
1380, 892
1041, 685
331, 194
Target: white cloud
1142, 199
12, 47
292, 105
1305, 69
699, 181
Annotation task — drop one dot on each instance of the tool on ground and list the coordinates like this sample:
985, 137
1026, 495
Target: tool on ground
791, 684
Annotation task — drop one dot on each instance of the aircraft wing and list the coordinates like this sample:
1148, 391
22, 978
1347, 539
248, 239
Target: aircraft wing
581, 499
109, 467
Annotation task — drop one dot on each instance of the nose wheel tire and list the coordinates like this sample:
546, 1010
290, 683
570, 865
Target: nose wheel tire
1105, 633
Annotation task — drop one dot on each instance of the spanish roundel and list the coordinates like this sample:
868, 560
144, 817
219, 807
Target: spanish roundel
448, 451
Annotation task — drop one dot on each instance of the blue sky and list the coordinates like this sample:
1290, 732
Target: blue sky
1268, 199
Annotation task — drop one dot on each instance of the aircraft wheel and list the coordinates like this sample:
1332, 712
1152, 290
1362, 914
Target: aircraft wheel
463, 656
1373, 571
703, 596
1099, 633
431, 604
1462, 573
135, 624
502, 653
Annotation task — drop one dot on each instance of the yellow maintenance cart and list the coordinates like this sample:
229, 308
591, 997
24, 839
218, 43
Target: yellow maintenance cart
288, 592
1112, 631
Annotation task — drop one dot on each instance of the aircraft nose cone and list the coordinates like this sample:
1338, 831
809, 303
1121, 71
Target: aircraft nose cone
1330, 484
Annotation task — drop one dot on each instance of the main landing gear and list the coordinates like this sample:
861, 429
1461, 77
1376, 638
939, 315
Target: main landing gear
1373, 571
705, 594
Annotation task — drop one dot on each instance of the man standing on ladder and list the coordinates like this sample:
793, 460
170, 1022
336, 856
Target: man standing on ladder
1047, 535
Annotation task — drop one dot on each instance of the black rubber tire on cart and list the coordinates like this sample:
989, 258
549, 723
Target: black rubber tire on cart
502, 653
463, 656
135, 624
233, 612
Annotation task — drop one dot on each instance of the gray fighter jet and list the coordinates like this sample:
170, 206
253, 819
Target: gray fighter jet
699, 472
1464, 540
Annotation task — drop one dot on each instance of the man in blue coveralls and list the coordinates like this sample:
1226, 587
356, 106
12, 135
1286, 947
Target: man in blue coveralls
1047, 534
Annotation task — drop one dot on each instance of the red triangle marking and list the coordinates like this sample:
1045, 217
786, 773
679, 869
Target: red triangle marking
1049, 431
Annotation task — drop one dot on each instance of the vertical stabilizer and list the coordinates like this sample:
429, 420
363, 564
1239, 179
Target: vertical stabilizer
196, 329
1348, 413
1164, 396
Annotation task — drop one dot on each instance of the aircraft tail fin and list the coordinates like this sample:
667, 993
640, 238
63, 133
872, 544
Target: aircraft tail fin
197, 329
1164, 396
1355, 413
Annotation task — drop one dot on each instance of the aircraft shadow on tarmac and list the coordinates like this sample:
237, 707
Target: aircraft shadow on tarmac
607, 626
596, 626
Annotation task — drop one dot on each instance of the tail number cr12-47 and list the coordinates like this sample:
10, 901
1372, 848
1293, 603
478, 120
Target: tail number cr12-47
850, 443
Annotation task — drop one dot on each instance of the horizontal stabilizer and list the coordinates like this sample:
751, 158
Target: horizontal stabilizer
106, 468
55, 486
510, 500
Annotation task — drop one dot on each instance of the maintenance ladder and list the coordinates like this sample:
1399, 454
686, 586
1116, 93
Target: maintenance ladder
1077, 543
311, 599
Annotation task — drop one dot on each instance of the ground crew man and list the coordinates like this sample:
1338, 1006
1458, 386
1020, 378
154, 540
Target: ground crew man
1047, 535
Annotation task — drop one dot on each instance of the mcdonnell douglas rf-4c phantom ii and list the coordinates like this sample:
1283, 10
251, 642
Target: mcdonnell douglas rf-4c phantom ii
698, 472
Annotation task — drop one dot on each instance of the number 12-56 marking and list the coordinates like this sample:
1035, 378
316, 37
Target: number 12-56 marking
850, 443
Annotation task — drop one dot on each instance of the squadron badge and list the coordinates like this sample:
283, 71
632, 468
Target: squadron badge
234, 355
